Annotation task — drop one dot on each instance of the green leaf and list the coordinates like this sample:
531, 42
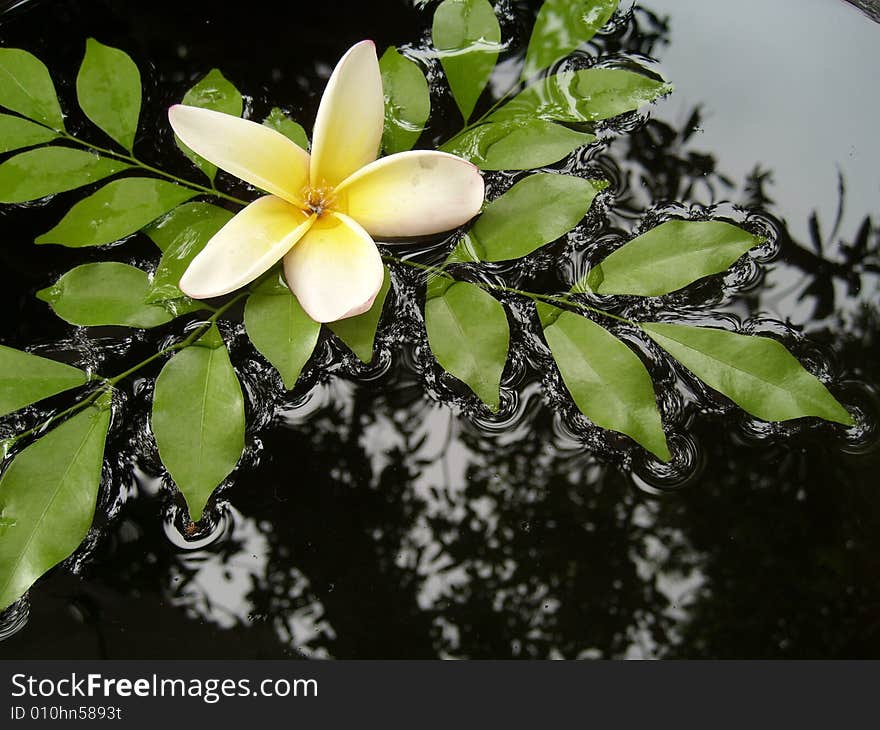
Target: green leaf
517, 144
607, 380
108, 88
469, 335
47, 500
27, 88
467, 35
562, 26
49, 170
27, 378
669, 257
181, 235
106, 293
359, 332
16, 133
280, 122
583, 96
198, 419
280, 329
756, 373
217, 93
537, 210
407, 101
119, 209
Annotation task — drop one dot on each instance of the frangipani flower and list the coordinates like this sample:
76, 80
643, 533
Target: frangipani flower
323, 209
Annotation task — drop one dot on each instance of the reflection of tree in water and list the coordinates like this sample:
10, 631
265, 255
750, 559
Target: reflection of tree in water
377, 524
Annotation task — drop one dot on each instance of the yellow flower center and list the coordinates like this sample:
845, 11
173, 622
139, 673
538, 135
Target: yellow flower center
320, 199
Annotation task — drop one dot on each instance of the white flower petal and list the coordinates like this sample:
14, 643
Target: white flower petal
413, 194
348, 128
250, 151
335, 270
245, 247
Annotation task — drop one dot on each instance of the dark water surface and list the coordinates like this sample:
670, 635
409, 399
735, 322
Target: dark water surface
379, 512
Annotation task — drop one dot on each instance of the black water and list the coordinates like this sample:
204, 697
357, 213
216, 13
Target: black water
378, 511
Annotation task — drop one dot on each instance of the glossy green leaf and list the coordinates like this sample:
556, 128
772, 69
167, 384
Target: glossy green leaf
280, 122
669, 257
105, 293
467, 36
537, 210
16, 133
119, 209
756, 373
27, 88
181, 235
47, 500
407, 101
108, 88
49, 170
280, 329
607, 380
517, 144
583, 96
469, 335
217, 93
359, 332
562, 26
27, 378
198, 419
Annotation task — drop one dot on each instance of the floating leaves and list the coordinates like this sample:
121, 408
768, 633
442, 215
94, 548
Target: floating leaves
27, 378
562, 26
583, 96
16, 133
181, 235
47, 499
537, 210
280, 329
108, 87
106, 293
359, 332
469, 335
27, 88
407, 101
467, 37
294, 131
607, 380
119, 209
198, 419
49, 170
756, 373
517, 144
669, 257
217, 93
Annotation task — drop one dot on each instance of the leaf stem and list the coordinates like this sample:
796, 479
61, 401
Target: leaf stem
155, 170
78, 406
186, 342
106, 384
563, 299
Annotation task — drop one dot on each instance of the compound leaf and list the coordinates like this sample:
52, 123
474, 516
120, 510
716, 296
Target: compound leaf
280, 329
608, 382
108, 88
198, 419
27, 378
47, 500
469, 335
756, 373
467, 36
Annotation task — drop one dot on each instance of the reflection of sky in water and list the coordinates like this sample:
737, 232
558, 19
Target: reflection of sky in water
787, 85
790, 85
